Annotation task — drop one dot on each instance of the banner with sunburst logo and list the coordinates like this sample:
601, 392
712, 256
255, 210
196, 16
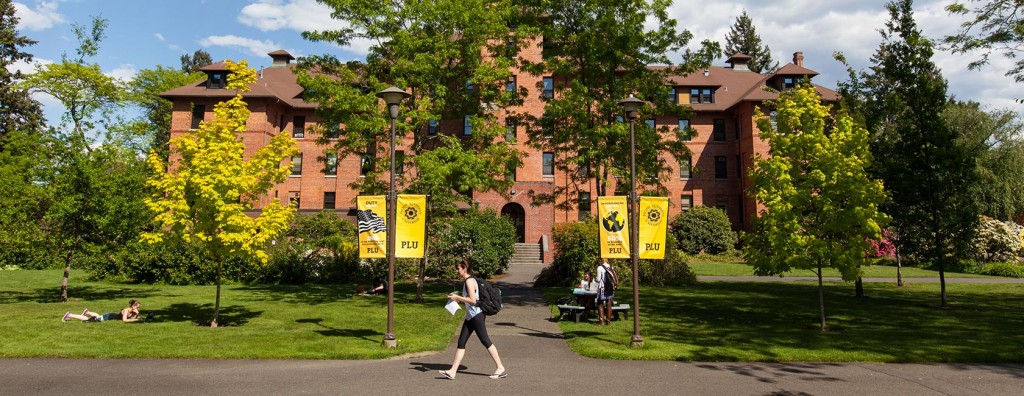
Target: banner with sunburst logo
411, 226
653, 227
372, 215
614, 225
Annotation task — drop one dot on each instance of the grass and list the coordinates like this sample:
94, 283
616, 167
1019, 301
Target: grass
721, 268
778, 322
261, 321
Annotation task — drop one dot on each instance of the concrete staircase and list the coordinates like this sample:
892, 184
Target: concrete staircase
527, 254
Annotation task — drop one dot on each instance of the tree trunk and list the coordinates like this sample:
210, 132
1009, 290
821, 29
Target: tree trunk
821, 300
899, 268
419, 277
859, 287
64, 280
942, 283
216, 304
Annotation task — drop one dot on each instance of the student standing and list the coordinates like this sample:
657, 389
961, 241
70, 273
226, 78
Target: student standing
604, 294
475, 322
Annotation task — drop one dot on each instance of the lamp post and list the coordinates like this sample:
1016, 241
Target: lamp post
392, 96
630, 106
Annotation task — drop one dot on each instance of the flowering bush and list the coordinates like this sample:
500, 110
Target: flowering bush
996, 241
883, 248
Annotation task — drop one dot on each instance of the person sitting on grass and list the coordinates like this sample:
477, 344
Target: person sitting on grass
379, 289
129, 314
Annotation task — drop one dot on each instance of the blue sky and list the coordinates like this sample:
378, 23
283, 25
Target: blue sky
144, 33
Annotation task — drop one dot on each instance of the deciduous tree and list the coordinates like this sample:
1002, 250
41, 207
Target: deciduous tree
202, 199
198, 60
743, 38
820, 206
143, 91
995, 26
996, 140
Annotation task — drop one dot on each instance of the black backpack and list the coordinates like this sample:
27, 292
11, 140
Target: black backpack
490, 297
611, 279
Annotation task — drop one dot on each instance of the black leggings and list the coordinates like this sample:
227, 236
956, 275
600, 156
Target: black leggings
476, 324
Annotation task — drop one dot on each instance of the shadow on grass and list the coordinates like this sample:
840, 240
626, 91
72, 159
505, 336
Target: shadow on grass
200, 314
79, 293
316, 294
327, 331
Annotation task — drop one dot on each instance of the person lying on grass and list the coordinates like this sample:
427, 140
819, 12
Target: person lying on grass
129, 314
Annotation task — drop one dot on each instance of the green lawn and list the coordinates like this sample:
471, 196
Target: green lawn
741, 321
301, 322
717, 268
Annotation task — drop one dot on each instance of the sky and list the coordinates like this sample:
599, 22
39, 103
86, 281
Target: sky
144, 34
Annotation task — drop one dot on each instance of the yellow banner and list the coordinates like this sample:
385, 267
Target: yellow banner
614, 225
372, 215
653, 226
411, 226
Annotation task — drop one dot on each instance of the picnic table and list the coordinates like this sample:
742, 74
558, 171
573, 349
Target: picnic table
583, 302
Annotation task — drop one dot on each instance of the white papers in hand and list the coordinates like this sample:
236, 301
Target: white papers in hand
452, 306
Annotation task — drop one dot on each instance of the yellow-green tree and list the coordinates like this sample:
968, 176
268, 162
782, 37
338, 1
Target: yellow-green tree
203, 198
820, 206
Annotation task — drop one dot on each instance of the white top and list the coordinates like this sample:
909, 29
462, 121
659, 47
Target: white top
600, 276
471, 310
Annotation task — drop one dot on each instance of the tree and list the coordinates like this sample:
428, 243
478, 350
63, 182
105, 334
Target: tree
743, 38
18, 110
996, 26
598, 52
198, 60
21, 197
81, 88
930, 177
454, 57
820, 206
996, 141
143, 91
204, 198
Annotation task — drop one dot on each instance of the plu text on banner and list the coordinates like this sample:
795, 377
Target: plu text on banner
653, 227
410, 226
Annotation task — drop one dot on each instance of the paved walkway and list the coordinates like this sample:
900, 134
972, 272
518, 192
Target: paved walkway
538, 360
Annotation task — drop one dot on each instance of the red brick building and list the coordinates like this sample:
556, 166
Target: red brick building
726, 141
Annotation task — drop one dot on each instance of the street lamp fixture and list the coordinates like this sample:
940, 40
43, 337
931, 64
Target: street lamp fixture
630, 106
392, 96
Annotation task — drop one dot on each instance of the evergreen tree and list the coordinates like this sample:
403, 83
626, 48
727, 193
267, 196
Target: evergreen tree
17, 109
192, 64
931, 178
742, 38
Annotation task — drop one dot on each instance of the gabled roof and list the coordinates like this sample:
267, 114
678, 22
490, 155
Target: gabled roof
275, 83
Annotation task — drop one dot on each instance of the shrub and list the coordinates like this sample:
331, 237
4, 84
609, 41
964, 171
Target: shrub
485, 238
672, 271
1010, 270
316, 249
995, 241
703, 230
576, 252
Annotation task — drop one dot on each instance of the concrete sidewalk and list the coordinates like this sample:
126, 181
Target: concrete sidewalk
537, 358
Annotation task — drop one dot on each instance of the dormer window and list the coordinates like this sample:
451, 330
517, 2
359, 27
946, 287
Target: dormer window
217, 80
788, 82
702, 95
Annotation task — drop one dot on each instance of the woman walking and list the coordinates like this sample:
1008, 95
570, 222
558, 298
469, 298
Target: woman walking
474, 323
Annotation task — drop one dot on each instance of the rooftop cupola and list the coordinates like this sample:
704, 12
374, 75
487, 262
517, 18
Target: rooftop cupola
281, 58
739, 62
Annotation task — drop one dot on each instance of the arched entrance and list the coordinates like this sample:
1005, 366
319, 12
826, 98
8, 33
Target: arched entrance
517, 215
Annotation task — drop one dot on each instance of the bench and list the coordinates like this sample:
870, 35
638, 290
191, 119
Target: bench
575, 310
624, 308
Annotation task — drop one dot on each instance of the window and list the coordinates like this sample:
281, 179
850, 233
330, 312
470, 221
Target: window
299, 127
722, 203
583, 171
721, 167
650, 123
432, 127
673, 97
719, 130
470, 88
399, 162
549, 164
217, 81
331, 163
739, 168
198, 111
297, 165
549, 88
736, 127
329, 197
685, 168
684, 130
702, 95
510, 85
333, 131
510, 173
686, 202
547, 124
366, 164
510, 129
774, 118
293, 198
467, 126
280, 123
788, 82
583, 204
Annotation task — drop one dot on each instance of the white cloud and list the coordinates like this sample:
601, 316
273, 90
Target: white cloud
297, 15
250, 46
159, 36
124, 73
43, 17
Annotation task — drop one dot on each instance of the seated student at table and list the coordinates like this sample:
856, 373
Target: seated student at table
585, 283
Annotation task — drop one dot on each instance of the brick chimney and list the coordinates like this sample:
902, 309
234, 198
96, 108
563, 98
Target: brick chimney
798, 58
